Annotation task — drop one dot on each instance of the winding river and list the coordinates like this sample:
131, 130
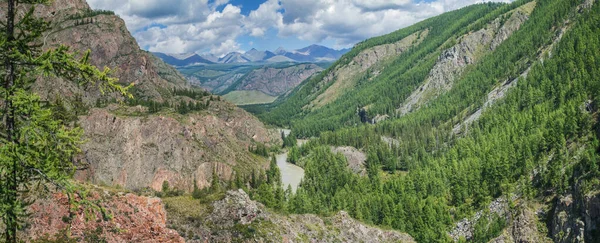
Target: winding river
290, 173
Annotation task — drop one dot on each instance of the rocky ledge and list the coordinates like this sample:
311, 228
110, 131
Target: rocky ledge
237, 218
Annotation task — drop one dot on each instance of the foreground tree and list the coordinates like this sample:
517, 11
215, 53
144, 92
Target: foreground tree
35, 148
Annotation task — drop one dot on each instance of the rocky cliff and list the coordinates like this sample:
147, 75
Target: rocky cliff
104, 216
576, 218
128, 146
74, 24
143, 151
236, 218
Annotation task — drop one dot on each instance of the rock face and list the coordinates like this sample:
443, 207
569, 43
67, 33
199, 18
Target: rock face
111, 46
236, 218
137, 152
124, 218
465, 227
470, 48
277, 81
345, 77
236, 207
522, 229
576, 219
126, 145
356, 159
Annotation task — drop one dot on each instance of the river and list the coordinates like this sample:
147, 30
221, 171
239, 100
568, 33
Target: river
290, 173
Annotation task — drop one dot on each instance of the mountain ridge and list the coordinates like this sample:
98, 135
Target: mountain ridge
312, 53
111, 161
483, 131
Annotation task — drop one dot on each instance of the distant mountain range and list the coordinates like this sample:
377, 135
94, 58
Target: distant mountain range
313, 53
183, 59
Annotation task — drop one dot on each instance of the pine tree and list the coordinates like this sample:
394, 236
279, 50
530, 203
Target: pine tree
35, 146
273, 174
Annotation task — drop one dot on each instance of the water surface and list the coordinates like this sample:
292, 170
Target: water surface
290, 173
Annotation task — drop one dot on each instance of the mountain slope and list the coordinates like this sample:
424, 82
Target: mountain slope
519, 82
382, 89
126, 144
234, 57
314, 53
275, 81
272, 79
257, 56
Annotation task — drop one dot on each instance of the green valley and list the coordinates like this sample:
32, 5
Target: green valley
492, 104
446, 121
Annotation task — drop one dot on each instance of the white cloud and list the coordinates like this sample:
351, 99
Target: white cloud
349, 21
197, 25
185, 26
375, 5
266, 16
226, 47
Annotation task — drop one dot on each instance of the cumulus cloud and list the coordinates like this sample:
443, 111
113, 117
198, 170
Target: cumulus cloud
216, 26
266, 16
185, 26
349, 21
376, 5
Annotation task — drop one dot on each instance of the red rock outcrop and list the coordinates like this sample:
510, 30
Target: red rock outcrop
113, 218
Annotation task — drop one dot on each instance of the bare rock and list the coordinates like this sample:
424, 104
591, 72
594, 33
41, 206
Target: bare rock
353, 231
123, 218
576, 219
510, 26
138, 152
126, 146
465, 227
356, 159
111, 45
236, 218
523, 228
235, 208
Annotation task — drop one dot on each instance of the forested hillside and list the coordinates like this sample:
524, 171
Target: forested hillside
512, 121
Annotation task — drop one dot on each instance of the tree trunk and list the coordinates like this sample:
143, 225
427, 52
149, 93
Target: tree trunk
10, 219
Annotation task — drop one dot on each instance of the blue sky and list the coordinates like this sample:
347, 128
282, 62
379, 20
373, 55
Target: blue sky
223, 26
246, 5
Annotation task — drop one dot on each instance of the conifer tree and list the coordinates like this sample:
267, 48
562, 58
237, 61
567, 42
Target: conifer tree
273, 174
35, 148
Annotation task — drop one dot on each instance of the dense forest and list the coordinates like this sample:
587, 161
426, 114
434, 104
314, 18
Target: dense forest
540, 140
390, 88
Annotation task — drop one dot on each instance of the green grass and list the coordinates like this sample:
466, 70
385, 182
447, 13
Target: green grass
249, 97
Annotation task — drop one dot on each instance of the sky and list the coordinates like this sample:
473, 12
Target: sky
222, 26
